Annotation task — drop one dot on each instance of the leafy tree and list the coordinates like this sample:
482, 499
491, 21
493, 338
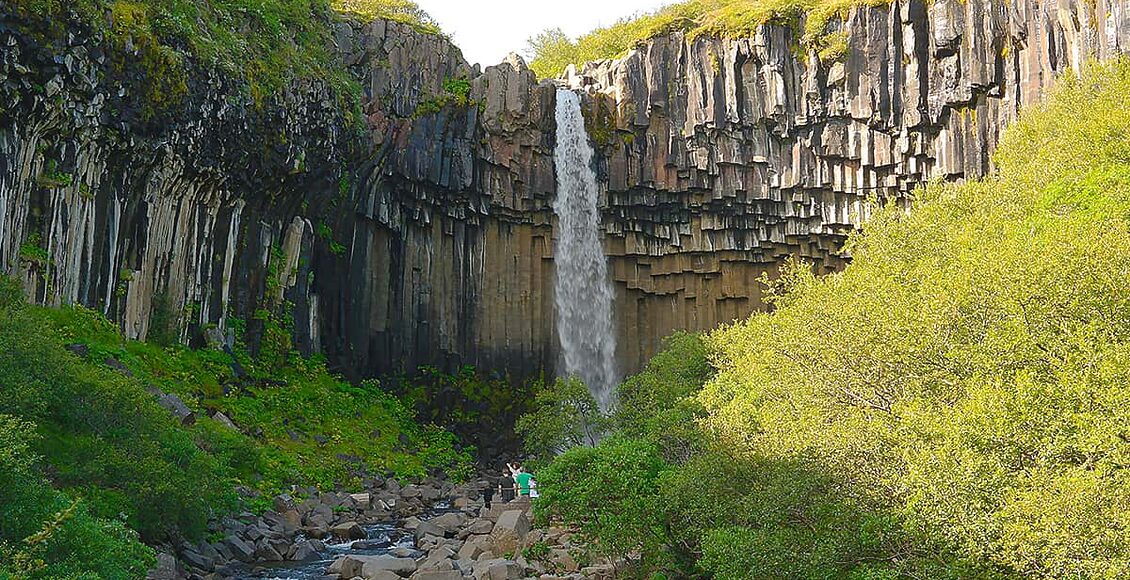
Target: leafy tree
610, 491
565, 415
550, 51
44, 534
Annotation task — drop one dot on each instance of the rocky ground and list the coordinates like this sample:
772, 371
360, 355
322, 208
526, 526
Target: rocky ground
432, 530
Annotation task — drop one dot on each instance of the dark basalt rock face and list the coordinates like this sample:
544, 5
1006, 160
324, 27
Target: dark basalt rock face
425, 236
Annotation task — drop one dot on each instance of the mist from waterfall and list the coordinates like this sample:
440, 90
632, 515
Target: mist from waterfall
582, 291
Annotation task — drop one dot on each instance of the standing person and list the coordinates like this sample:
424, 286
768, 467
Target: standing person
488, 493
523, 479
506, 491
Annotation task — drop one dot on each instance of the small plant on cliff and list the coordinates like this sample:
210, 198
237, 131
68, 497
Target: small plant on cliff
402, 11
456, 91
32, 252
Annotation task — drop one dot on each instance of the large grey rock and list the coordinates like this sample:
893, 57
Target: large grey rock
496, 569
372, 565
438, 575
165, 568
509, 531
347, 531
175, 405
242, 550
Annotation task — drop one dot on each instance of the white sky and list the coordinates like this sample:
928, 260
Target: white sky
487, 30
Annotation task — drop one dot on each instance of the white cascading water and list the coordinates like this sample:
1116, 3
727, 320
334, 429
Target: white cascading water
582, 291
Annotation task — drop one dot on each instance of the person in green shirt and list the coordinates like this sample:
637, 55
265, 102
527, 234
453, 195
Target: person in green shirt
523, 478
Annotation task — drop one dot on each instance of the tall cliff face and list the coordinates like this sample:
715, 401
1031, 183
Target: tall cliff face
725, 156
426, 236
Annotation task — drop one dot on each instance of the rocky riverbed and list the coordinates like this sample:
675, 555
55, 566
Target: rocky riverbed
432, 530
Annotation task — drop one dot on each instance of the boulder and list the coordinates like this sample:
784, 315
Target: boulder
496, 570
225, 421
428, 528
379, 575
267, 552
375, 564
240, 549
472, 548
438, 575
477, 526
176, 406
362, 500
346, 566
449, 522
306, 551
347, 531
165, 569
509, 531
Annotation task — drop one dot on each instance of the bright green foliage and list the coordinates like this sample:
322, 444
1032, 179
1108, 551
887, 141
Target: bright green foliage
551, 50
44, 534
952, 405
967, 372
564, 415
402, 11
106, 439
610, 491
456, 91
658, 404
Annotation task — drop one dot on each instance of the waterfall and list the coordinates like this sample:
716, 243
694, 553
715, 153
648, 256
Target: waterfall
582, 291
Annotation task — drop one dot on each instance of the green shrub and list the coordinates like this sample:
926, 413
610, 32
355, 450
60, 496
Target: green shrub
551, 50
99, 428
564, 415
610, 491
659, 404
44, 534
966, 372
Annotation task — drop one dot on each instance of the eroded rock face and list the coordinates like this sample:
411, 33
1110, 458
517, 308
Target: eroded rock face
424, 235
723, 156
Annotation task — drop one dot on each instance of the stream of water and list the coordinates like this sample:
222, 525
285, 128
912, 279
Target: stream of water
582, 291
380, 539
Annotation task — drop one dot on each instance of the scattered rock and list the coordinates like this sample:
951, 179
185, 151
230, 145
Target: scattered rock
347, 531
224, 420
166, 568
509, 531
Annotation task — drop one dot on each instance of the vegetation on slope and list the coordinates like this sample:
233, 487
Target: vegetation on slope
265, 43
551, 50
79, 400
954, 404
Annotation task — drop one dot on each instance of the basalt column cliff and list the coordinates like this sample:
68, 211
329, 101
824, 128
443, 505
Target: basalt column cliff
424, 232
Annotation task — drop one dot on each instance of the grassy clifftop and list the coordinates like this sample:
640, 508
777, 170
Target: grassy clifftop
551, 51
265, 43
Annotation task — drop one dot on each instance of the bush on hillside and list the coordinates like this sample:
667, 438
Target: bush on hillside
45, 534
952, 405
609, 491
967, 371
564, 415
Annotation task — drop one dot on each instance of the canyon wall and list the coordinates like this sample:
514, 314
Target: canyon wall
424, 233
